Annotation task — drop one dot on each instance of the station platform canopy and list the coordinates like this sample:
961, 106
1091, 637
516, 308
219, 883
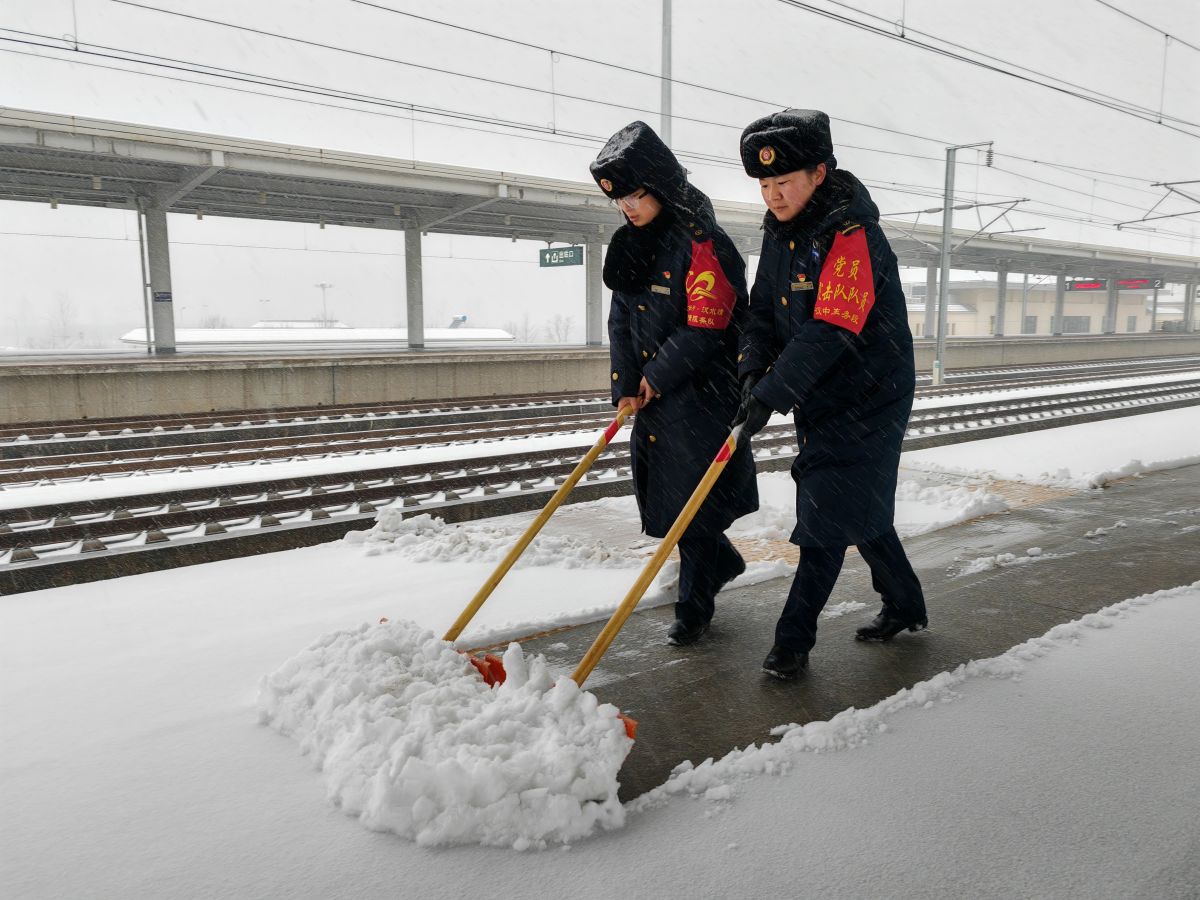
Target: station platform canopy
47, 158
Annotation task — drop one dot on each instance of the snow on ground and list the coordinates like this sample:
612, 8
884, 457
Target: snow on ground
1078, 456
983, 395
920, 507
412, 741
854, 728
128, 745
1003, 560
132, 768
837, 610
426, 538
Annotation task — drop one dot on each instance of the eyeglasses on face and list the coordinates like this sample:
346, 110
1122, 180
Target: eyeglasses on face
629, 201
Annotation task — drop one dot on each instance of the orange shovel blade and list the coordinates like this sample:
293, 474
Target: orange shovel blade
491, 667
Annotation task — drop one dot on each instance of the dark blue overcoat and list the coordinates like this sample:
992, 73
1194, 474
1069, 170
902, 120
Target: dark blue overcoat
676, 436
851, 394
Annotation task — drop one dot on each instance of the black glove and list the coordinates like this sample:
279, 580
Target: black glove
752, 416
749, 380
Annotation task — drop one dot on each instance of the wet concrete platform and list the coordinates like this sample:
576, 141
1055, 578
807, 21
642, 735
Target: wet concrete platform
703, 701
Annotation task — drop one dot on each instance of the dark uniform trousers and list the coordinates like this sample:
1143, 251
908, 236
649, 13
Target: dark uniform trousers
706, 561
892, 576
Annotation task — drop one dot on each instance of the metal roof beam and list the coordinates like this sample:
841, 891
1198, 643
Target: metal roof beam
501, 194
167, 197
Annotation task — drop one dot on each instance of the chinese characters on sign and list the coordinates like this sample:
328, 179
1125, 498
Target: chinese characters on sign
560, 256
1123, 284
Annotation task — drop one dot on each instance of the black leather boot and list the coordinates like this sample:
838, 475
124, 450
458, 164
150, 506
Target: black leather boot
885, 626
783, 662
681, 633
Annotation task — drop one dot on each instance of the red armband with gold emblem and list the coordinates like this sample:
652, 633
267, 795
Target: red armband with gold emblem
710, 296
846, 291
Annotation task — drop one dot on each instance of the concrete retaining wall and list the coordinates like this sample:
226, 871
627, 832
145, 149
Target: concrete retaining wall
974, 353
105, 389
89, 389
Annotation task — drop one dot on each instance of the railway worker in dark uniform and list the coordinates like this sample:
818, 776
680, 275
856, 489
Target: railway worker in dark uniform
828, 340
678, 299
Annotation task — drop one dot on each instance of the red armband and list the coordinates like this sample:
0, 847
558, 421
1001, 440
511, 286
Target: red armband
710, 296
846, 291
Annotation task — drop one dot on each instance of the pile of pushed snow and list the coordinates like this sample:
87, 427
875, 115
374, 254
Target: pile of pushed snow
411, 740
924, 508
1062, 477
919, 507
423, 538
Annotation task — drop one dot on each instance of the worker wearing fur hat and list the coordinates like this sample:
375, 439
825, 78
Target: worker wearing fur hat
678, 300
828, 340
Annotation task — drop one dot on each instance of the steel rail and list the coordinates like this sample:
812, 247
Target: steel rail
175, 536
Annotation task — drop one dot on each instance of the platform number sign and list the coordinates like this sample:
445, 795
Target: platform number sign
1139, 284
560, 256
1122, 284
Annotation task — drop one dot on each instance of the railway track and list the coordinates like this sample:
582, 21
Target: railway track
371, 430
73, 541
35, 439
94, 435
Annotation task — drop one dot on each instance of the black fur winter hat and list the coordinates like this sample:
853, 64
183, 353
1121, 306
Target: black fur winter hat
635, 157
787, 141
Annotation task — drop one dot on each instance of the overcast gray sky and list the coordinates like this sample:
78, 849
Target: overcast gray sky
895, 107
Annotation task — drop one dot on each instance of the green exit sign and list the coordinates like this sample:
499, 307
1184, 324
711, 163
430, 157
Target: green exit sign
560, 256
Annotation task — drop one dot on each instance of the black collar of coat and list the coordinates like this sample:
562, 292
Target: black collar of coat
840, 197
629, 262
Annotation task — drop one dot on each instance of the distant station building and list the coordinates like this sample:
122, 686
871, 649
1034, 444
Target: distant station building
973, 306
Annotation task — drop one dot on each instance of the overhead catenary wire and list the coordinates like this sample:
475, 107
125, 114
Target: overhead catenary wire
657, 76
1067, 189
542, 133
1128, 105
539, 48
287, 84
573, 138
140, 58
550, 93
1129, 15
1085, 94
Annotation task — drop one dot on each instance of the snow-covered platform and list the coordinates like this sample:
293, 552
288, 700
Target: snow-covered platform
1030, 569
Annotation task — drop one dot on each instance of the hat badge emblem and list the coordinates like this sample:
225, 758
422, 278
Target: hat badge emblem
605, 185
766, 155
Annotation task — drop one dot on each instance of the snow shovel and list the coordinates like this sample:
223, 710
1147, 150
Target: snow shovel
530, 533
606, 636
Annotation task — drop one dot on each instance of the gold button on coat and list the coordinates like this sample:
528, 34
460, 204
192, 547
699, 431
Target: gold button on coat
791, 245
653, 439
783, 300
616, 377
645, 354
